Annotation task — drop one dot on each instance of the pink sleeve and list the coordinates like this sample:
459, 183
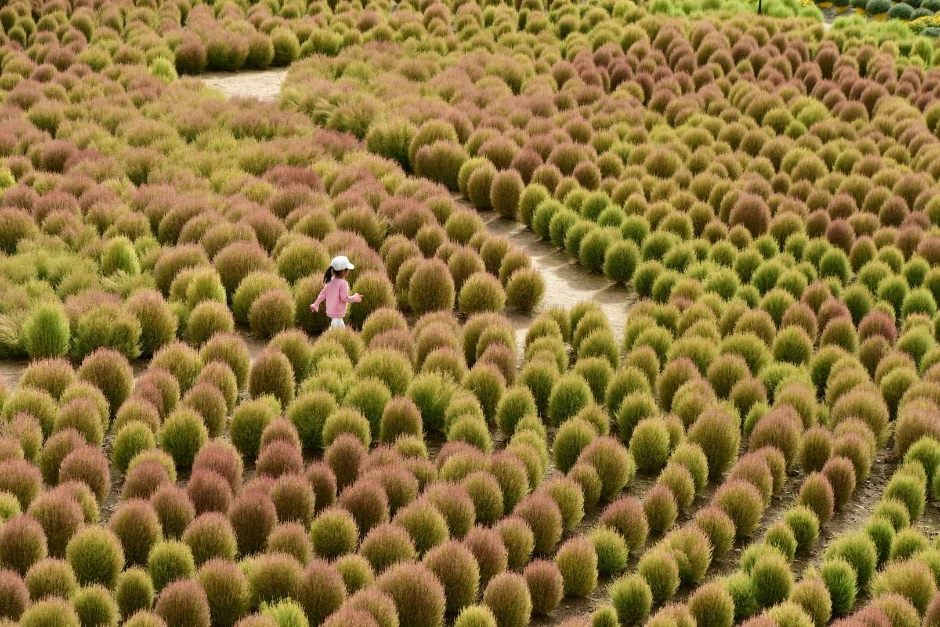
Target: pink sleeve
344, 296
316, 304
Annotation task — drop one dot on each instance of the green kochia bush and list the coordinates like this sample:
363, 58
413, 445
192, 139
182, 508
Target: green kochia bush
46, 332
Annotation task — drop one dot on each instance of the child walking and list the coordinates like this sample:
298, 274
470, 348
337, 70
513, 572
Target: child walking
336, 292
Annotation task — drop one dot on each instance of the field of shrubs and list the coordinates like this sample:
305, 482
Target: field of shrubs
185, 443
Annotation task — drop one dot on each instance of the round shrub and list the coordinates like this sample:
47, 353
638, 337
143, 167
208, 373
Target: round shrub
36, 404
546, 586
343, 457
272, 374
87, 465
431, 288
46, 332
94, 606
385, 545
14, 595
476, 616
627, 517
577, 561
208, 401
487, 496
294, 499
612, 550
248, 424
743, 504
481, 292
399, 417
518, 540
507, 595
182, 435
169, 560
417, 594
46, 578
253, 516
174, 508
840, 473
569, 395
183, 603
712, 606
544, 518
613, 464
60, 516
490, 552
230, 350
272, 577
840, 581
456, 569
631, 597
771, 580
279, 458
661, 572
717, 435
911, 579
817, 494
661, 509
209, 491
111, 373
649, 445
137, 526
131, 439
210, 536
50, 613
134, 591
226, 589
333, 533
896, 609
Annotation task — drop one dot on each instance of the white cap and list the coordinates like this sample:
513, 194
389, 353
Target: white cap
341, 263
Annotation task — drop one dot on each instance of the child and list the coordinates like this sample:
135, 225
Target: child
336, 292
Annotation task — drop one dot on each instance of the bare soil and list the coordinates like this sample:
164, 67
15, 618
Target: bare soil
566, 283
264, 85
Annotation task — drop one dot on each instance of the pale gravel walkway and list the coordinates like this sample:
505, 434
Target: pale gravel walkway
264, 85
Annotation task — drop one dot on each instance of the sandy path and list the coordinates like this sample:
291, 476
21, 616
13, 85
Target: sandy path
264, 85
566, 283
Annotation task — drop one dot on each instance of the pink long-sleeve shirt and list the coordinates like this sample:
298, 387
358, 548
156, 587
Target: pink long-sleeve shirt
336, 294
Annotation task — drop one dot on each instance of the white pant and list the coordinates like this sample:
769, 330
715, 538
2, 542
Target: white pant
337, 323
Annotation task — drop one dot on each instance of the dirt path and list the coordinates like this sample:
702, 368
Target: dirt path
566, 283
264, 85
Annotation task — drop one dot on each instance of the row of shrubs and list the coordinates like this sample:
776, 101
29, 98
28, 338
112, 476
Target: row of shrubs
858, 418
99, 255
190, 38
169, 551
694, 157
184, 400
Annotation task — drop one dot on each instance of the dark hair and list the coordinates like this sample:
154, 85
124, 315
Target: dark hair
328, 275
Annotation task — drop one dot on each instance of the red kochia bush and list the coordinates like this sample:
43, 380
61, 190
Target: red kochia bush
752, 212
183, 603
417, 594
209, 491
14, 596
321, 591
22, 543
90, 466
253, 516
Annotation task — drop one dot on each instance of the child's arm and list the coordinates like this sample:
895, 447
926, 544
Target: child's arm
345, 296
315, 306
